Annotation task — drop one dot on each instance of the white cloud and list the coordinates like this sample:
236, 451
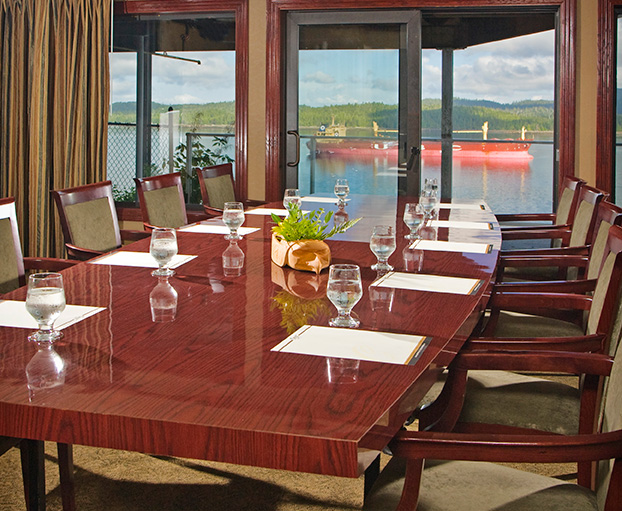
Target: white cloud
319, 77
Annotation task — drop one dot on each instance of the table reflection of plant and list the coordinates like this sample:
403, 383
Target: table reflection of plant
297, 311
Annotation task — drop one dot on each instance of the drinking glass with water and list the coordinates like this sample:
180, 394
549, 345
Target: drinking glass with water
163, 248
414, 215
382, 244
342, 189
233, 217
291, 195
344, 290
45, 300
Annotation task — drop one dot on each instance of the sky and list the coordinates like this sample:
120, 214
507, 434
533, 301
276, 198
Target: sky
504, 71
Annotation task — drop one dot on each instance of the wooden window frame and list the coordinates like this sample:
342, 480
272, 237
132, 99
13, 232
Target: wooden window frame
240, 10
605, 103
277, 9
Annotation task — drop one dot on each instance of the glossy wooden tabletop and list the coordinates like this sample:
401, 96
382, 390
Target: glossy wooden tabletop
206, 385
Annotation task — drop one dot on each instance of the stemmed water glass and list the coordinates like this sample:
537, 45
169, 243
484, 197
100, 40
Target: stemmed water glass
344, 290
163, 248
414, 216
291, 196
429, 202
342, 189
233, 217
45, 300
382, 244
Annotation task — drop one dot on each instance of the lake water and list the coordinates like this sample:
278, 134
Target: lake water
508, 186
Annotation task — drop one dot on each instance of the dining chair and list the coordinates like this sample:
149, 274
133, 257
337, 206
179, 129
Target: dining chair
564, 215
572, 239
217, 187
462, 471
162, 201
12, 276
501, 397
89, 220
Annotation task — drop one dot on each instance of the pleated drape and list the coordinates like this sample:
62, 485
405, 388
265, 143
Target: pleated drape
54, 88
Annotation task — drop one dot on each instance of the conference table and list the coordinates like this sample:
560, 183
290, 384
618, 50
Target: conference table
208, 384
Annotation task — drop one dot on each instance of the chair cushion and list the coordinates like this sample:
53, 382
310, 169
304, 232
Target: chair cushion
478, 486
516, 324
511, 399
581, 224
9, 274
220, 190
563, 208
91, 225
598, 250
165, 209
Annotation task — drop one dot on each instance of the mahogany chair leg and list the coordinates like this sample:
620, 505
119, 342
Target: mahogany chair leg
371, 474
33, 473
67, 480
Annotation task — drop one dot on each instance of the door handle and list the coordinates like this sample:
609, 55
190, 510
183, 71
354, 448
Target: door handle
297, 160
414, 152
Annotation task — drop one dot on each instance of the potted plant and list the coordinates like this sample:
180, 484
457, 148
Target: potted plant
298, 239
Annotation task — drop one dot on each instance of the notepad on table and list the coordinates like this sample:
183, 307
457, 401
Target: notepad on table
455, 205
13, 314
313, 198
450, 246
138, 259
430, 283
268, 212
354, 344
461, 225
216, 229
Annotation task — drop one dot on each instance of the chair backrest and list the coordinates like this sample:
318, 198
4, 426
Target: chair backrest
12, 267
217, 186
568, 198
605, 315
88, 217
585, 215
162, 200
608, 214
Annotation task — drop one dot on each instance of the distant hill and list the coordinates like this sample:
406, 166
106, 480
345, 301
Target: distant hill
468, 114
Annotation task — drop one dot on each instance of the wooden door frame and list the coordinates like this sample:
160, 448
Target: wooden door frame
277, 9
605, 103
240, 9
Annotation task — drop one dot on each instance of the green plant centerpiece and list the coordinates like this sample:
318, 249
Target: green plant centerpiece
298, 239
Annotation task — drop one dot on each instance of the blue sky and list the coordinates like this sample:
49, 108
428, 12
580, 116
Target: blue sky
504, 71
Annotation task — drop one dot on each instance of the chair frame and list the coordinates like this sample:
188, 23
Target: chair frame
147, 184
223, 169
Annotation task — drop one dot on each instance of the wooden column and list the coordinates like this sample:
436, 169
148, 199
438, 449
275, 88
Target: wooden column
447, 99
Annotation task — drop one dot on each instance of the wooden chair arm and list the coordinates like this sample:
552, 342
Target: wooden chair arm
212, 212
527, 228
525, 261
518, 302
580, 343
133, 235
522, 360
553, 251
81, 254
545, 448
538, 234
47, 263
525, 217
551, 286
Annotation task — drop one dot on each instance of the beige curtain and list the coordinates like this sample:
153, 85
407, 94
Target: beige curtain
54, 88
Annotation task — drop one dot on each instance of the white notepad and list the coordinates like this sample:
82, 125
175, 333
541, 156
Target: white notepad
461, 225
268, 212
353, 344
329, 200
450, 246
455, 205
14, 314
430, 283
138, 259
216, 229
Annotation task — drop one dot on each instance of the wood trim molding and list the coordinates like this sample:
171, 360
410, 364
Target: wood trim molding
277, 10
240, 9
605, 103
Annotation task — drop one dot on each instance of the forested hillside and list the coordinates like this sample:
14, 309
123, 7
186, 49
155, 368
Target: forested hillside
468, 114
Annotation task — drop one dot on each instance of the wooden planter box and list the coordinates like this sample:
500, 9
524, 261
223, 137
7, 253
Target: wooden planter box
307, 255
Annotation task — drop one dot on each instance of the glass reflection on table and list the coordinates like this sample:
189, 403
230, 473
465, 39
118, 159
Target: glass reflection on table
232, 260
163, 301
342, 370
46, 369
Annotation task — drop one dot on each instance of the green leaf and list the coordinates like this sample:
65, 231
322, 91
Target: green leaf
307, 226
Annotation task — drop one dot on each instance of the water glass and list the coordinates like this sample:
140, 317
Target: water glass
163, 248
232, 260
428, 202
431, 186
233, 217
342, 189
45, 300
291, 196
344, 290
414, 216
163, 301
382, 244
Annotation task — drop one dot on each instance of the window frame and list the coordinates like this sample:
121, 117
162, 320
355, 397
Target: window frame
566, 69
239, 8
